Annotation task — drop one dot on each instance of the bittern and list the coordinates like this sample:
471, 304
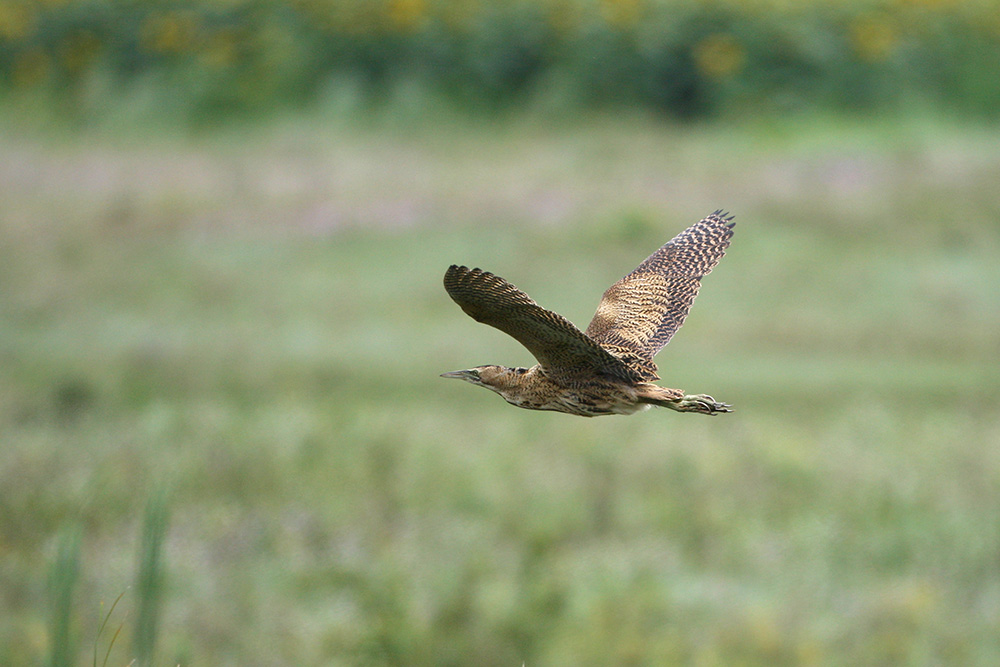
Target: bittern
607, 369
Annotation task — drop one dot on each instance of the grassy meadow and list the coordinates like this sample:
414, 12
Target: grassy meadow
219, 398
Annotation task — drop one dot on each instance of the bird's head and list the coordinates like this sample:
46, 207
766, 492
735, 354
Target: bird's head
491, 377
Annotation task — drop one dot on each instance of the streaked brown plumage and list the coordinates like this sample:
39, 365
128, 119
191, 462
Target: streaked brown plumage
609, 368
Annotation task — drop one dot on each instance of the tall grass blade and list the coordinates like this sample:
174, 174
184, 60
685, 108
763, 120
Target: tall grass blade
149, 583
62, 580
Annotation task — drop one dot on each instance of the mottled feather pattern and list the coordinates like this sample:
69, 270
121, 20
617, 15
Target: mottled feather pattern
608, 369
642, 311
558, 345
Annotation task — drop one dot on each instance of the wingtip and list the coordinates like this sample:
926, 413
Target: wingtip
724, 216
463, 268
457, 269
460, 274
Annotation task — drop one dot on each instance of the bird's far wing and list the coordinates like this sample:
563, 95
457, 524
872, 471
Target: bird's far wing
560, 347
641, 312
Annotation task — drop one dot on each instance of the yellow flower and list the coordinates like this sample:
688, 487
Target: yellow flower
873, 37
563, 15
406, 14
718, 56
15, 21
621, 13
929, 3
354, 17
79, 50
220, 49
457, 14
168, 33
30, 67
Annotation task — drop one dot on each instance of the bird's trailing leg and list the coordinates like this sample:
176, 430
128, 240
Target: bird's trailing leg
676, 399
702, 403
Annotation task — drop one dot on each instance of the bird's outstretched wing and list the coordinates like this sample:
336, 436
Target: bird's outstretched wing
639, 313
561, 348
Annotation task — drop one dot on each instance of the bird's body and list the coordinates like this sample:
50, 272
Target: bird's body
609, 368
532, 389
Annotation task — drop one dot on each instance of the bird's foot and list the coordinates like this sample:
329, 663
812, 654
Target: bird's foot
702, 403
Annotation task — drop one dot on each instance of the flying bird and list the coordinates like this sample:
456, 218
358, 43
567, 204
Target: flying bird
607, 369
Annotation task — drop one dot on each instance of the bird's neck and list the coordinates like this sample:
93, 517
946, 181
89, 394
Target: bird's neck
513, 379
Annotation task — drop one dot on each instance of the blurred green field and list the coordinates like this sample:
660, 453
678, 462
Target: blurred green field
252, 323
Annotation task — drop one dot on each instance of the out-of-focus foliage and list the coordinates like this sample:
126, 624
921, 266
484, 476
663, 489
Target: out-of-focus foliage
688, 58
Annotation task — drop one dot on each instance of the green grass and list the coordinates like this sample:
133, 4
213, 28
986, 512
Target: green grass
253, 324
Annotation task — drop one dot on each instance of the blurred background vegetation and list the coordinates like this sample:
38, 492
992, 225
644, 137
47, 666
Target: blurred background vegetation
223, 227
684, 58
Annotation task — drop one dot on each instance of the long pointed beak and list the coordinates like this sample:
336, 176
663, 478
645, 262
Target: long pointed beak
461, 375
